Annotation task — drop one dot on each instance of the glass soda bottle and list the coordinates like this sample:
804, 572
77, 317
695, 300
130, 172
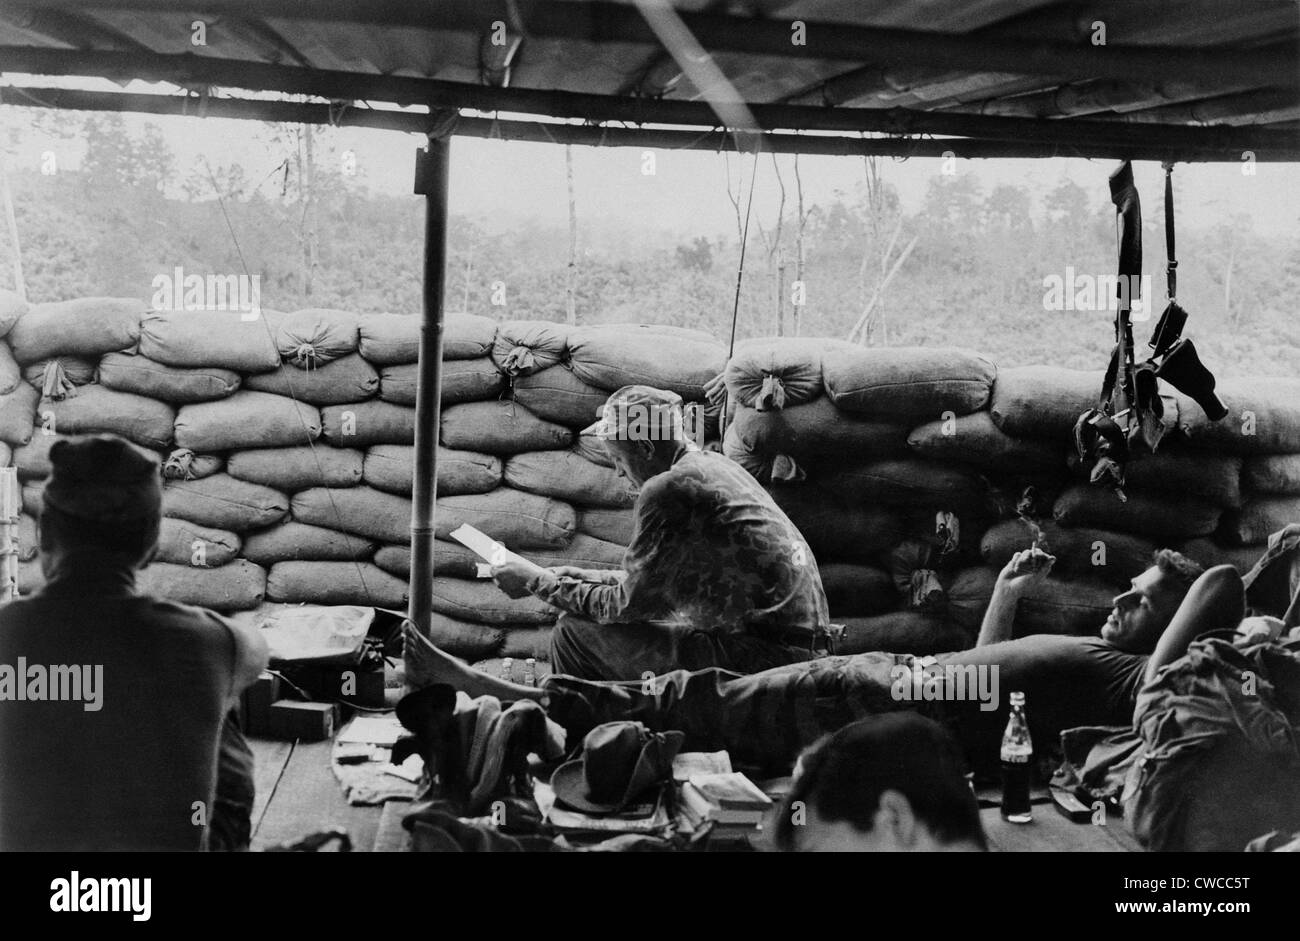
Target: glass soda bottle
530, 672
1017, 755
508, 670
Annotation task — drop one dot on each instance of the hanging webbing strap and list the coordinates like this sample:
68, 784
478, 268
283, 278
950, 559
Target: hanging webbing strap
1172, 270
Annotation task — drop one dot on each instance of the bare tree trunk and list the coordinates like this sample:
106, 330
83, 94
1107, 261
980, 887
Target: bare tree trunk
469, 273
307, 225
1227, 283
20, 285
799, 259
572, 274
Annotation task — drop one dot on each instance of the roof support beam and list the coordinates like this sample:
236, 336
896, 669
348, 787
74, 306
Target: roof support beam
194, 71
714, 139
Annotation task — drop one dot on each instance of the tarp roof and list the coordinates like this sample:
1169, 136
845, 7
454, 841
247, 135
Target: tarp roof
1167, 79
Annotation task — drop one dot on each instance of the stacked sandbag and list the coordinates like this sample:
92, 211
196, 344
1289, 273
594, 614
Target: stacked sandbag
840, 435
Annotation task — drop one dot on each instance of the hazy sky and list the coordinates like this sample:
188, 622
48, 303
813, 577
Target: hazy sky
505, 184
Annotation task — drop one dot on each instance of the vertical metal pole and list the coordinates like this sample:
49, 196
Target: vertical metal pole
431, 174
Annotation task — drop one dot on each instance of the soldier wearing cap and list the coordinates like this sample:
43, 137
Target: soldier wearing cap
137, 768
715, 576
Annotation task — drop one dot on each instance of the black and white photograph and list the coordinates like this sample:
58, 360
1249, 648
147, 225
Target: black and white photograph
650, 426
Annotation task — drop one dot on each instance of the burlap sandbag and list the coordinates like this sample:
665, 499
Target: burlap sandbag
526, 643
184, 464
615, 355
28, 538
12, 307
1209, 553
1143, 514
87, 326
1043, 401
558, 395
247, 420
348, 379
583, 551
292, 469
607, 525
335, 583
361, 511
184, 543
464, 639
1176, 472
239, 586
95, 409
1258, 519
315, 336
361, 424
908, 482
857, 590
774, 373
10, 372
500, 428
974, 439
836, 529
143, 376
901, 632
393, 339
449, 558
1110, 557
524, 347
817, 429
292, 541
31, 578
520, 520
907, 384
482, 602
463, 380
61, 376
966, 595
33, 459
391, 468
33, 494
566, 475
224, 502
1058, 606
1274, 474
1263, 418
18, 413
208, 338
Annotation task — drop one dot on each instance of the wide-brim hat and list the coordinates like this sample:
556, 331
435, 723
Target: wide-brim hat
619, 762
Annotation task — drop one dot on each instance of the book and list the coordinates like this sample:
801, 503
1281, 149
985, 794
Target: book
731, 791
688, 763
697, 808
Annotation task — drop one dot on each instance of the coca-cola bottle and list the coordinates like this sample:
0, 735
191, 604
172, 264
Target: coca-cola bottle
1017, 759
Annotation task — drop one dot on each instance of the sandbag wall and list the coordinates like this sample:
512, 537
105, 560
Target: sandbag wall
915, 474
288, 447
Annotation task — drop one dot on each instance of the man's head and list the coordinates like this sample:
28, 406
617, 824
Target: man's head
891, 782
1142, 613
104, 496
643, 431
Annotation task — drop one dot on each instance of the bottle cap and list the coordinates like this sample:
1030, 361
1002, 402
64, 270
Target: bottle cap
1017, 698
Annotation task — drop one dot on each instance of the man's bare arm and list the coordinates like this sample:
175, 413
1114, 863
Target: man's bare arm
1216, 600
1025, 569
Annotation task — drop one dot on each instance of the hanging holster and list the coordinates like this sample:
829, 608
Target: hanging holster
1179, 365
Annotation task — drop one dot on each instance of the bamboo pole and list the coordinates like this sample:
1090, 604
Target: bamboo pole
431, 182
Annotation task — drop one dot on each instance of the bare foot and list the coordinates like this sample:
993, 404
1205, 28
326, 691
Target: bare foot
426, 665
